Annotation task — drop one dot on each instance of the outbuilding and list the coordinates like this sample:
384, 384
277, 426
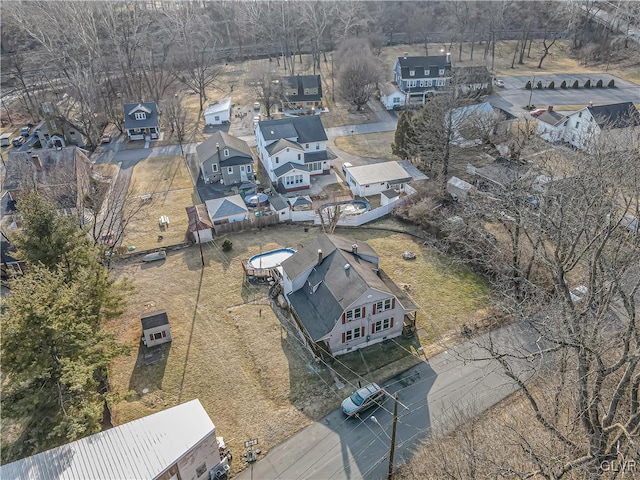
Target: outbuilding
376, 178
200, 225
227, 209
458, 189
218, 112
155, 328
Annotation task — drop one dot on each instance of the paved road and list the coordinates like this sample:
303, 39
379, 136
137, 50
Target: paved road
514, 96
340, 448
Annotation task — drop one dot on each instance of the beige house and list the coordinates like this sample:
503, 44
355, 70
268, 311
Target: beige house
340, 297
178, 443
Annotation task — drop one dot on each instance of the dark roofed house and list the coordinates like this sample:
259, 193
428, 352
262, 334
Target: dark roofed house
142, 120
225, 157
292, 150
340, 297
63, 175
302, 92
419, 77
155, 328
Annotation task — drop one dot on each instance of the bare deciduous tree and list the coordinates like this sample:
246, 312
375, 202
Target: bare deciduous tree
359, 72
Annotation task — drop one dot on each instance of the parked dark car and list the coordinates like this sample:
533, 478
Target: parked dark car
26, 131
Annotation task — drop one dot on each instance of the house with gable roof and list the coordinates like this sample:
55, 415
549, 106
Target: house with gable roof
142, 120
340, 297
227, 209
302, 92
292, 150
419, 77
225, 157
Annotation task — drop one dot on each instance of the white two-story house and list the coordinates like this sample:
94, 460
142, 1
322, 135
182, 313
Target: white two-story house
418, 77
340, 297
292, 150
584, 128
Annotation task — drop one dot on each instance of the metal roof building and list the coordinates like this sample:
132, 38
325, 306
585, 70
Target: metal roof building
142, 449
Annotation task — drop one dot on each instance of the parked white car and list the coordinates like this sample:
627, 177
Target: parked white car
364, 398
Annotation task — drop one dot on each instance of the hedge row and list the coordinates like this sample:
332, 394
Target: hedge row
563, 85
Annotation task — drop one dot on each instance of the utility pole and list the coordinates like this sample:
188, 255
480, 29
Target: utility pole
198, 234
252, 455
393, 436
533, 81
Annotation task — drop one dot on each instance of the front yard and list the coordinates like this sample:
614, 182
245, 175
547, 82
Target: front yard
230, 350
373, 145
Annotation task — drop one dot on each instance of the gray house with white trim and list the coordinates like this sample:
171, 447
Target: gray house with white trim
225, 157
142, 120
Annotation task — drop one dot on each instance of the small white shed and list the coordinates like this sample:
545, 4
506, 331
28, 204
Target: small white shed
155, 328
281, 207
458, 189
388, 196
200, 225
218, 112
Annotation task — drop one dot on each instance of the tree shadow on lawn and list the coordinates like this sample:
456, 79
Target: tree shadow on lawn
148, 372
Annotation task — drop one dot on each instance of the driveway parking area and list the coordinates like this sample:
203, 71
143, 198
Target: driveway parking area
513, 96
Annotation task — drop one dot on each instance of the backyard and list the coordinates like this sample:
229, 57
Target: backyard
232, 352
168, 182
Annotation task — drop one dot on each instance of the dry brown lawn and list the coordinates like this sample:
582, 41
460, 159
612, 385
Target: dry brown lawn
374, 145
168, 180
230, 351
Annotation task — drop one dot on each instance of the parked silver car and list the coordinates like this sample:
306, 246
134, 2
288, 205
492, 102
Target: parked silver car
363, 398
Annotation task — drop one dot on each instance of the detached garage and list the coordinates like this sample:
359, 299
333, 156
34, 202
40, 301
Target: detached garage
218, 112
155, 329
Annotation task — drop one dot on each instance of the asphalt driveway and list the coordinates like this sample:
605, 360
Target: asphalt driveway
513, 96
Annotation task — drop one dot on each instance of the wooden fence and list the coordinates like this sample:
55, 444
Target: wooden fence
248, 224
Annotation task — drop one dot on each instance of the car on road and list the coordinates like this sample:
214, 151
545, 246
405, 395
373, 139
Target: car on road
256, 106
17, 141
364, 398
537, 112
26, 131
106, 138
500, 83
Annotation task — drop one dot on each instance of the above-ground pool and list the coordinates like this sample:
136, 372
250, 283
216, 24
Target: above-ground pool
354, 207
270, 259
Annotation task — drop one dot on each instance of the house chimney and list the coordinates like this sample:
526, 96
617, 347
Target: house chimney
405, 54
550, 108
37, 162
591, 104
354, 248
319, 256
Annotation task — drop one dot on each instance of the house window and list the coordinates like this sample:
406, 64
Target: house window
440, 82
352, 334
396, 100
383, 305
355, 314
411, 83
277, 160
441, 71
141, 116
299, 157
230, 170
226, 152
214, 168
249, 168
412, 73
577, 124
157, 336
317, 146
306, 91
216, 118
381, 325
422, 83
72, 132
307, 146
429, 83
580, 115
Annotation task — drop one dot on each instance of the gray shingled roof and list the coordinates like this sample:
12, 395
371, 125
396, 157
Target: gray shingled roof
306, 129
424, 67
300, 82
616, 115
207, 149
287, 167
316, 156
389, 88
281, 145
226, 207
154, 319
552, 118
278, 202
143, 448
150, 108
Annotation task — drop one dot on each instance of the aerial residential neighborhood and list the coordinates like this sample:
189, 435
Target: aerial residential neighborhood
320, 240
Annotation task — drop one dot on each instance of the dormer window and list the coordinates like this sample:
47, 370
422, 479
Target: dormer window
141, 116
427, 72
226, 152
412, 73
441, 71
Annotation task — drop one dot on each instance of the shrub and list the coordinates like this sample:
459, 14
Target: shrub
528, 85
227, 245
575, 84
552, 85
563, 84
599, 84
587, 84
611, 83
539, 85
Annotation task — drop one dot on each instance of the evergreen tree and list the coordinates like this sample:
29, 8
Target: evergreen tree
54, 350
403, 140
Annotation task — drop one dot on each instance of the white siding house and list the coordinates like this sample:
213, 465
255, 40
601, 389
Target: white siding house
391, 96
551, 126
179, 442
218, 112
375, 178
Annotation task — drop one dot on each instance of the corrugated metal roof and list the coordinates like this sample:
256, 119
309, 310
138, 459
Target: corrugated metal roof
378, 173
137, 450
